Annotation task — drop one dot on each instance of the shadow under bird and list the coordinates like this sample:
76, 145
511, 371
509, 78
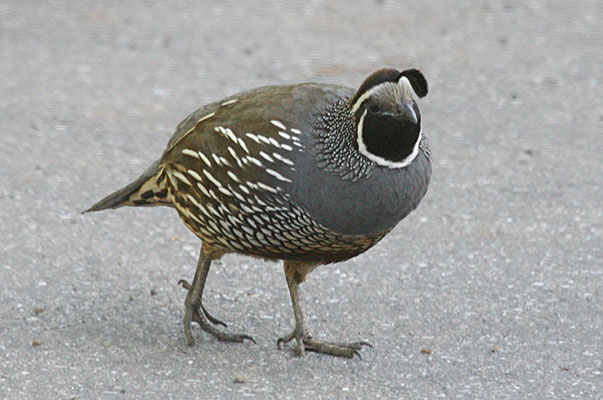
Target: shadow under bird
309, 174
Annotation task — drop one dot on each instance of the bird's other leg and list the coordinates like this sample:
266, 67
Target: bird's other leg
295, 273
194, 310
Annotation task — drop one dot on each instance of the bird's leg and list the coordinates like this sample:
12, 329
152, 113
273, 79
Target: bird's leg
196, 317
301, 334
194, 310
301, 325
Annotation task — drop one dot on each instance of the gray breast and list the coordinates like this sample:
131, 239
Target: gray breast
367, 206
351, 195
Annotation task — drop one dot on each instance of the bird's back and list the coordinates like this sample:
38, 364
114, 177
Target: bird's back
284, 181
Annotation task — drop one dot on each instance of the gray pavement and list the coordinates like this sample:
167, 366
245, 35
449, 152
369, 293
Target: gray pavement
498, 275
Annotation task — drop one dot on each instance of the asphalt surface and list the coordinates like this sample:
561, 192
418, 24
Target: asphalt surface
492, 289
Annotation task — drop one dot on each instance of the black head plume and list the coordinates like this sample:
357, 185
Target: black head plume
374, 79
389, 87
417, 81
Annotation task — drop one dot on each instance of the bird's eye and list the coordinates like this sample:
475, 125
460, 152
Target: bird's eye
374, 108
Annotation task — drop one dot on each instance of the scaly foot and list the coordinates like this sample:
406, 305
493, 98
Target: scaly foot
305, 342
199, 315
196, 317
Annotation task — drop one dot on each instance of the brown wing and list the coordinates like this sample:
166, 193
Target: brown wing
228, 183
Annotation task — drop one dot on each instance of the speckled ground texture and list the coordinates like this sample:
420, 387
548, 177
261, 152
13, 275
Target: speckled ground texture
492, 289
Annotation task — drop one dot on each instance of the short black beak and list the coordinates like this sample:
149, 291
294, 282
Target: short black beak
408, 111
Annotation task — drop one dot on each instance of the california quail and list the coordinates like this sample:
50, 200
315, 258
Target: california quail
309, 174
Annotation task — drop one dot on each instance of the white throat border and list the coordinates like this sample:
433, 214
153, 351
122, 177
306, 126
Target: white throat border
380, 160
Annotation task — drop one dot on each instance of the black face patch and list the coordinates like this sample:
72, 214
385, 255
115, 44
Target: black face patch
388, 137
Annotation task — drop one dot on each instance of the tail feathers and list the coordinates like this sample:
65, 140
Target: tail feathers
147, 190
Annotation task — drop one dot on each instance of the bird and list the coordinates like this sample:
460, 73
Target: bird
310, 174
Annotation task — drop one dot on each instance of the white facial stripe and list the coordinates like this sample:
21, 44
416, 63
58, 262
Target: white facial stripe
407, 89
380, 160
363, 98
402, 90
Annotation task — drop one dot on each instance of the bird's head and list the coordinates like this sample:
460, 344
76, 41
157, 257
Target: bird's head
387, 117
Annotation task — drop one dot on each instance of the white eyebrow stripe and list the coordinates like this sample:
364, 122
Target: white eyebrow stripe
402, 88
365, 96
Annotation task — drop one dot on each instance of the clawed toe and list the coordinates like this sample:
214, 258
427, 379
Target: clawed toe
184, 284
196, 317
192, 314
285, 339
301, 334
213, 320
195, 312
306, 342
348, 350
